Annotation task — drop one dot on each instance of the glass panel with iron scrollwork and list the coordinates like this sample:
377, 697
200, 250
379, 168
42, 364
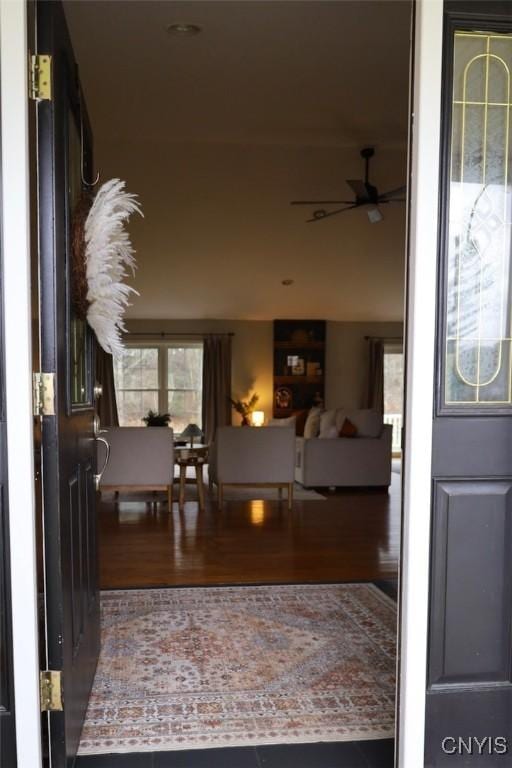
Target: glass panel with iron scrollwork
477, 365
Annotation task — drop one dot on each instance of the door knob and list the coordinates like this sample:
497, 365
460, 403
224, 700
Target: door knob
97, 391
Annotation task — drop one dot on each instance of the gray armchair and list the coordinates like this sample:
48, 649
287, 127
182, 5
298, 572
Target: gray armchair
141, 459
253, 457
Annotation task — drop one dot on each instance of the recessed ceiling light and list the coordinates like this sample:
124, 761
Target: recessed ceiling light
288, 281
186, 30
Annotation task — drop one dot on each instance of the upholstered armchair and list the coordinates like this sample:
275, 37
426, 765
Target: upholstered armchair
253, 457
141, 459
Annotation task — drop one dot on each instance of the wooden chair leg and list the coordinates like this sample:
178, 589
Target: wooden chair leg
220, 495
200, 486
183, 480
290, 495
280, 492
169, 496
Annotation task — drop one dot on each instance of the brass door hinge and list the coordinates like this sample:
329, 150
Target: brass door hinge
44, 394
50, 689
40, 77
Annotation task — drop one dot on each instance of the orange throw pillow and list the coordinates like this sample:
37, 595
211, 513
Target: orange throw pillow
348, 429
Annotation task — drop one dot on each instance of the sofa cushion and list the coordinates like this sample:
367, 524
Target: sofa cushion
327, 420
312, 425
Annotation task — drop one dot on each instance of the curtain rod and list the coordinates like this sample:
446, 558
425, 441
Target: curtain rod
180, 335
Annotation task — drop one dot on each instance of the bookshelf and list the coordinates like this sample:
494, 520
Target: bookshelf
299, 365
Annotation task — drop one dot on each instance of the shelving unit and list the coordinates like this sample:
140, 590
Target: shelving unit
298, 344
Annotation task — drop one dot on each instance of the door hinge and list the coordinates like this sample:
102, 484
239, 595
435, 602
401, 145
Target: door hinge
40, 77
50, 689
44, 394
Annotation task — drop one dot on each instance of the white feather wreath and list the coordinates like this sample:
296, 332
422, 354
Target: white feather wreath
108, 254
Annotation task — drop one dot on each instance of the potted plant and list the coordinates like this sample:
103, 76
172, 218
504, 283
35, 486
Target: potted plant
245, 408
153, 419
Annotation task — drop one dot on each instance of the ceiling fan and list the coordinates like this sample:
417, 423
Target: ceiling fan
365, 194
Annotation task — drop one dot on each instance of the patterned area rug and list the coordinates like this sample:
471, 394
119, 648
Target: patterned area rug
238, 666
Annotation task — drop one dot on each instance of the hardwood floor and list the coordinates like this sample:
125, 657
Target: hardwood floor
352, 536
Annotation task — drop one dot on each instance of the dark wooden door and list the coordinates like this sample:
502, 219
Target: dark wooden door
7, 730
469, 685
67, 349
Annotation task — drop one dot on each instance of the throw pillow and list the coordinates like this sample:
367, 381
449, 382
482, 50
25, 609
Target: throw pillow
341, 415
326, 422
348, 429
312, 425
329, 434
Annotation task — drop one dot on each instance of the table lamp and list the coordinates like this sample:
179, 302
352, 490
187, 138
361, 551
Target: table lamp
191, 431
258, 418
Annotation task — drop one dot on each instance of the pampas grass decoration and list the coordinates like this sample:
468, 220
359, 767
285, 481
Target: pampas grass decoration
108, 256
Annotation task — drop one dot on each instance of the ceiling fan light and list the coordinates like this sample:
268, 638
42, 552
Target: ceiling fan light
375, 215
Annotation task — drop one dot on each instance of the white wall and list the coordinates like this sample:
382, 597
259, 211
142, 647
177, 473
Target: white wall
346, 365
346, 359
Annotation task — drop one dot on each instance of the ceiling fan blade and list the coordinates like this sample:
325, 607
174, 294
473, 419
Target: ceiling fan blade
321, 215
392, 193
321, 202
359, 188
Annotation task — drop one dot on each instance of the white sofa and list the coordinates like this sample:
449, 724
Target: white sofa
329, 460
253, 456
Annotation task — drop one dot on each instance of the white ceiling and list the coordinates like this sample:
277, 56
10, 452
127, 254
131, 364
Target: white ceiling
217, 132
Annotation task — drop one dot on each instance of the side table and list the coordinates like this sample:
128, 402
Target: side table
195, 457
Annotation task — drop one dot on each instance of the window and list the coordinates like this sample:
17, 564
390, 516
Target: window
166, 378
393, 392
184, 385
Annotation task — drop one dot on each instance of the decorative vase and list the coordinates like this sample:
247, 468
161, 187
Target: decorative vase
245, 421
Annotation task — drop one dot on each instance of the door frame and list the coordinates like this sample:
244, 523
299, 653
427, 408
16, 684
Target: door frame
18, 377
420, 316
421, 282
